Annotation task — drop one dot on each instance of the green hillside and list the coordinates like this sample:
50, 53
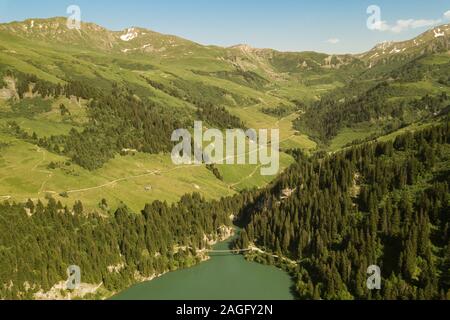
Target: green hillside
52, 77
326, 220
49, 96
86, 118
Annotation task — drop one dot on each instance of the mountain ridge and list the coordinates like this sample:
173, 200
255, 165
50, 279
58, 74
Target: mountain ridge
134, 32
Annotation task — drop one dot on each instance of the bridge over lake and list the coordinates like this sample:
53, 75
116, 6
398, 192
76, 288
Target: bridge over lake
229, 251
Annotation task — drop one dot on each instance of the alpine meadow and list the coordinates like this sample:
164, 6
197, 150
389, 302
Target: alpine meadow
87, 179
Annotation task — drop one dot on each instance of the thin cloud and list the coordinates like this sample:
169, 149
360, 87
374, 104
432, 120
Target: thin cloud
405, 25
333, 40
447, 15
408, 24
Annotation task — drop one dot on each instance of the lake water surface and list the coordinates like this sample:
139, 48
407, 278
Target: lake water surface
223, 277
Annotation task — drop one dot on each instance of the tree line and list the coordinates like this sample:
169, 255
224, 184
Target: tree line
324, 119
385, 204
38, 241
119, 119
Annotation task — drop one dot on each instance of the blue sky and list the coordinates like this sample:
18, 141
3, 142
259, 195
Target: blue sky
334, 26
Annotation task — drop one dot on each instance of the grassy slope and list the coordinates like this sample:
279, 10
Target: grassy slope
364, 130
286, 79
24, 174
135, 173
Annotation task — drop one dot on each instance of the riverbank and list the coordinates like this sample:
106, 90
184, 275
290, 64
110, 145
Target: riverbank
263, 257
98, 292
224, 233
254, 249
